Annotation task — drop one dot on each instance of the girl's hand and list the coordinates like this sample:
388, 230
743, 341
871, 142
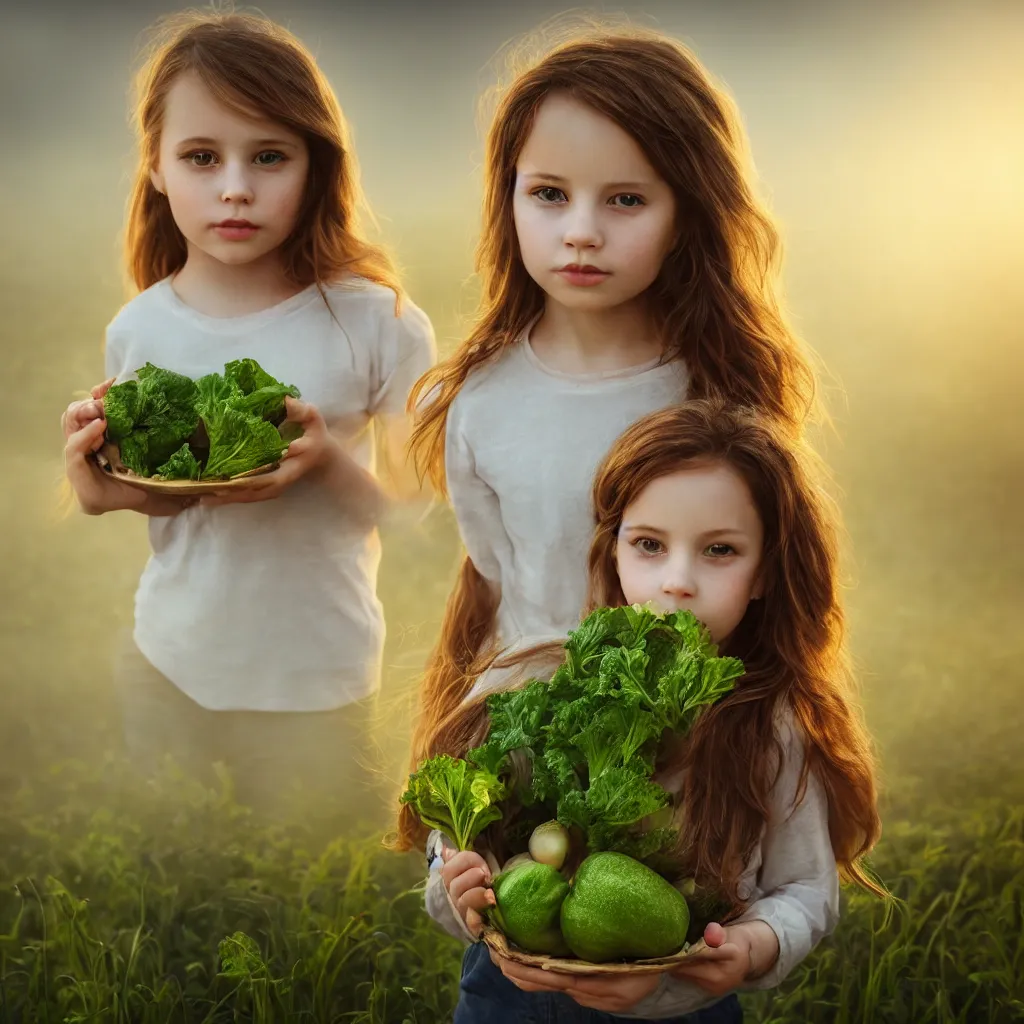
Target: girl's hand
80, 414
314, 450
735, 954
609, 993
467, 878
99, 492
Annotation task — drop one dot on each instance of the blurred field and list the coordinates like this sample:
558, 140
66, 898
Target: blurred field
886, 144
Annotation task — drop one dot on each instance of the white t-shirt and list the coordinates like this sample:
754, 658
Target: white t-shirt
272, 605
523, 443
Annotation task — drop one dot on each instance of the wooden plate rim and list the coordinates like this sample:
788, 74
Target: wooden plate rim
564, 965
109, 459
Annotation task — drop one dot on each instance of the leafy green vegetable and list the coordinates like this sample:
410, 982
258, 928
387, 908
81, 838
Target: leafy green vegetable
517, 717
121, 406
449, 794
259, 393
239, 442
590, 735
630, 674
182, 465
248, 376
228, 422
135, 452
149, 419
213, 392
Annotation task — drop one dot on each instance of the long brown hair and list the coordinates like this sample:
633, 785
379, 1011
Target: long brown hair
790, 640
714, 301
252, 65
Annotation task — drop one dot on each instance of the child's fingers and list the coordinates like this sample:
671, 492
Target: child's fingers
457, 861
101, 389
78, 414
474, 922
477, 899
295, 447
91, 410
86, 439
298, 411
474, 878
533, 979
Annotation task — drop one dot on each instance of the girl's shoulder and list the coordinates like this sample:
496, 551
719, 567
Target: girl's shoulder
392, 314
140, 309
788, 731
496, 374
356, 292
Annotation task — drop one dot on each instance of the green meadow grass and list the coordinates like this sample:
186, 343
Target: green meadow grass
172, 903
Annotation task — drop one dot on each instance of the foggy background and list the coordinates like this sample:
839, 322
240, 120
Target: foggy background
889, 143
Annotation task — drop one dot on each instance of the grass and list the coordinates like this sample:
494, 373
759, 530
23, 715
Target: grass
125, 901
174, 904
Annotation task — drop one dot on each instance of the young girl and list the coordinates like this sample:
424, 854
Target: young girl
625, 266
258, 632
711, 509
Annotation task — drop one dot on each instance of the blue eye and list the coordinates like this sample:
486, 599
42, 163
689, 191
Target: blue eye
628, 201
200, 158
274, 158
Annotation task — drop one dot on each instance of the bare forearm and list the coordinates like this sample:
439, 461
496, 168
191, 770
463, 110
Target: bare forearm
149, 505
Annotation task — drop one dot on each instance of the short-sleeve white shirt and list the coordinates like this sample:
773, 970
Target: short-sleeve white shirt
272, 605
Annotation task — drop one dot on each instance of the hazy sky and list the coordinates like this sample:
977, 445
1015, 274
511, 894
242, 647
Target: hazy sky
888, 138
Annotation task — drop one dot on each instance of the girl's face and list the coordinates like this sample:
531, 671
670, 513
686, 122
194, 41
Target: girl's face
692, 541
593, 218
235, 184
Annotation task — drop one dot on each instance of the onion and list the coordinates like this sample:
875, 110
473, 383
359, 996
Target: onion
514, 862
549, 844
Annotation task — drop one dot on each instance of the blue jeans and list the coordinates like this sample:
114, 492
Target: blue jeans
486, 996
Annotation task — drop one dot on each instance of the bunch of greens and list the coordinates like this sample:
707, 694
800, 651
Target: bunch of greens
151, 418
169, 426
455, 797
590, 736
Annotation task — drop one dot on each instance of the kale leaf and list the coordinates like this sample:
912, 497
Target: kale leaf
589, 737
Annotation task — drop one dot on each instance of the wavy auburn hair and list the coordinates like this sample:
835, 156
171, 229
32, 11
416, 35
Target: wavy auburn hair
790, 641
253, 66
714, 301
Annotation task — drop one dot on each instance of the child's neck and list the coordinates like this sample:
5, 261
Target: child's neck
222, 290
585, 341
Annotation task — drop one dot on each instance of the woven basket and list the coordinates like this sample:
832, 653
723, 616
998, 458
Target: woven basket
563, 965
108, 458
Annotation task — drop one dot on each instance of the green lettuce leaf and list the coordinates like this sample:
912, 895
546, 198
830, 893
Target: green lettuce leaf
449, 794
239, 443
150, 418
121, 405
182, 465
259, 394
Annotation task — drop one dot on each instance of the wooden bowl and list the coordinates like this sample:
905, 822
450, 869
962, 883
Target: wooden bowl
563, 965
108, 458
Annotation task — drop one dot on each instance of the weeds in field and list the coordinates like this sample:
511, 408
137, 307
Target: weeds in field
170, 903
